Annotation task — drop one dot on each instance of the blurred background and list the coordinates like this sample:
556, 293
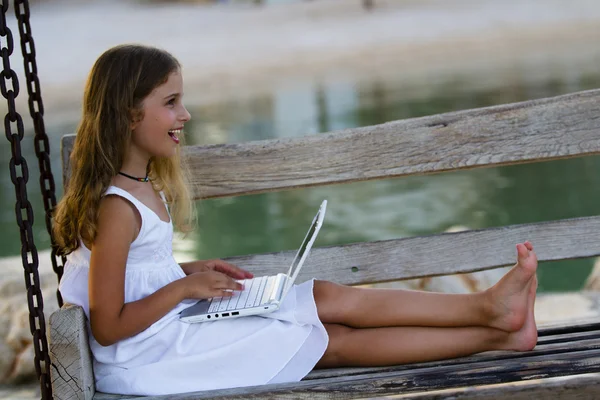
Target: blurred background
286, 68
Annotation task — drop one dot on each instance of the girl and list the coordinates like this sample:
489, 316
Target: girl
115, 226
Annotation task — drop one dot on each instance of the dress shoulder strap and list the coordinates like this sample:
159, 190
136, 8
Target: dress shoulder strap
124, 193
141, 207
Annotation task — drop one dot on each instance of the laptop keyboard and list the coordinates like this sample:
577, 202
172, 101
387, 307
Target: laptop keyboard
256, 292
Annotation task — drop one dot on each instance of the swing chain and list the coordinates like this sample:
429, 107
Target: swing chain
41, 142
19, 174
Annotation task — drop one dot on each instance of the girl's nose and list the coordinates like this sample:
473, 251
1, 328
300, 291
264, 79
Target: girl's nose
185, 115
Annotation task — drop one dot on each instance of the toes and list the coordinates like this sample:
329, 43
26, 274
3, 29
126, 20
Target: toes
522, 250
525, 250
526, 260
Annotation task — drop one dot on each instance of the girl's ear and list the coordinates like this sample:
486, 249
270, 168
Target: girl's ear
135, 118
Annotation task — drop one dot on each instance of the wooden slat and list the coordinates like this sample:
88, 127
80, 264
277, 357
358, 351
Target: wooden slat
553, 328
569, 337
546, 129
442, 254
576, 387
570, 330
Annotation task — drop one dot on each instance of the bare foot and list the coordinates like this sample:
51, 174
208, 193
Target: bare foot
525, 338
508, 300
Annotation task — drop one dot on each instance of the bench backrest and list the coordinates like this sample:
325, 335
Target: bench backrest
539, 130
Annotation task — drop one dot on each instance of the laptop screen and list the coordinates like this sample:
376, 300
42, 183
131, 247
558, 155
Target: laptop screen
307, 243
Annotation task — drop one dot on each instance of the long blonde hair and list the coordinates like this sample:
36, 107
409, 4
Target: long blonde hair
118, 83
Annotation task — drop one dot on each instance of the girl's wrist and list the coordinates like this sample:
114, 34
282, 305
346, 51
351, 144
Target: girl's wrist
180, 288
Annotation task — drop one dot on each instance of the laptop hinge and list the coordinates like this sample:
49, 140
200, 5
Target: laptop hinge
280, 284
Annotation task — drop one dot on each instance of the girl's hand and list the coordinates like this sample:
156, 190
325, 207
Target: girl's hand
207, 284
216, 265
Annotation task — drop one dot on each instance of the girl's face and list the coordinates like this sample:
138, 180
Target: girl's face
157, 133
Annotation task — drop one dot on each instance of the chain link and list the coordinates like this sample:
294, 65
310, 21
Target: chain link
19, 174
41, 142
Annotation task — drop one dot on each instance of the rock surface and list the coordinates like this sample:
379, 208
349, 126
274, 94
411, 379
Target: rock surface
16, 351
593, 280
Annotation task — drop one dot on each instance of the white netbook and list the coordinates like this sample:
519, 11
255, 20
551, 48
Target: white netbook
260, 295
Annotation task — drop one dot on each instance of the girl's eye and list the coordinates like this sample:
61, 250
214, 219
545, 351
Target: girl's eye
171, 102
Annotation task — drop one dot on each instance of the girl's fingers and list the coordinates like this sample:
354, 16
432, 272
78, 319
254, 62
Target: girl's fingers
229, 284
232, 270
230, 289
225, 268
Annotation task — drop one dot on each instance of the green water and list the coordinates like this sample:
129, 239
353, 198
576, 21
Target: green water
379, 210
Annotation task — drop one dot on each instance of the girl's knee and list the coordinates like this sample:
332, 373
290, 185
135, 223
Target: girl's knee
335, 354
324, 290
331, 300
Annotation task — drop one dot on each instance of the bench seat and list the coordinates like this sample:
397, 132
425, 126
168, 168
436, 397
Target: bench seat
567, 350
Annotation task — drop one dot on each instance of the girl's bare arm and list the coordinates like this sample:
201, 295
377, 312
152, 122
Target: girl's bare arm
112, 319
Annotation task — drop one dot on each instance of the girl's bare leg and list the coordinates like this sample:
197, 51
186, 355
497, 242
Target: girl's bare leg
503, 306
398, 345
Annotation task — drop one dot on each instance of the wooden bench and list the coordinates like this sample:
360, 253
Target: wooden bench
566, 361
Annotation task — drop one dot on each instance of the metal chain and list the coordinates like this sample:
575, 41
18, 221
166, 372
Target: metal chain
41, 142
19, 174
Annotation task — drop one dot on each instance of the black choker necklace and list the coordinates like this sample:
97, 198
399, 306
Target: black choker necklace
135, 178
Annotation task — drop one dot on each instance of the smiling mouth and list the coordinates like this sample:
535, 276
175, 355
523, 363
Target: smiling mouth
175, 135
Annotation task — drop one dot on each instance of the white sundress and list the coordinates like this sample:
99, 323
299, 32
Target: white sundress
172, 356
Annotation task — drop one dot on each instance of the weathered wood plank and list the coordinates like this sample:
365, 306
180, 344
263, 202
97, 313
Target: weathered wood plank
576, 387
569, 337
570, 329
441, 254
71, 373
546, 129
